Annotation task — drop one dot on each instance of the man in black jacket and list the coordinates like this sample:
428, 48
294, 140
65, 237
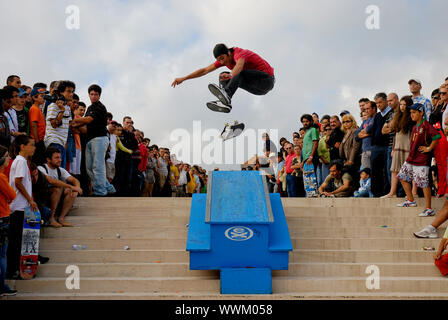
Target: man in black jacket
380, 143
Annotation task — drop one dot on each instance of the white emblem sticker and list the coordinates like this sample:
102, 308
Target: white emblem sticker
239, 233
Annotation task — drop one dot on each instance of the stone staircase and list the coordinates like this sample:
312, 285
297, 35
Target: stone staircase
334, 241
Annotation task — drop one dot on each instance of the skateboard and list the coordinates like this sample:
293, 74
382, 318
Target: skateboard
309, 180
232, 131
30, 244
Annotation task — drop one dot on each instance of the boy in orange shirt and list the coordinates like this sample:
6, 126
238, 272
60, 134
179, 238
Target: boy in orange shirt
37, 124
7, 194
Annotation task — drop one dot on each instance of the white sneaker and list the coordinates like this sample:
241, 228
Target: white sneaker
407, 203
427, 213
220, 93
427, 232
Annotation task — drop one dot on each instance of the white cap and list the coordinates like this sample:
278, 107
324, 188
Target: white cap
416, 80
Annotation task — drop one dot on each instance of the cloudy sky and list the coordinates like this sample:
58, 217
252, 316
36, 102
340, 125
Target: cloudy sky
324, 57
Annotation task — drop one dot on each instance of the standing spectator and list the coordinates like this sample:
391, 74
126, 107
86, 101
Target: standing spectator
335, 138
37, 124
316, 121
191, 181
162, 169
21, 113
362, 104
182, 182
122, 163
5, 132
415, 86
416, 168
350, 149
325, 121
9, 100
20, 181
64, 187
57, 125
174, 177
394, 104
290, 178
14, 81
380, 143
267, 162
323, 153
441, 149
129, 166
435, 98
75, 164
110, 160
309, 152
7, 194
402, 125
297, 165
96, 121
366, 138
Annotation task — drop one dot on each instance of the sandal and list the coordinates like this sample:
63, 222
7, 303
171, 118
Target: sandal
55, 224
65, 224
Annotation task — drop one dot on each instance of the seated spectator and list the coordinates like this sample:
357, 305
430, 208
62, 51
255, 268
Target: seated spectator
337, 184
365, 189
64, 188
416, 168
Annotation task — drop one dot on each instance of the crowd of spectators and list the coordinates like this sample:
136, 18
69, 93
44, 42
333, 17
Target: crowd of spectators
53, 148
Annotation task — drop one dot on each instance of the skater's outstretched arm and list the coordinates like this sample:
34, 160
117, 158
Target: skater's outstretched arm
198, 73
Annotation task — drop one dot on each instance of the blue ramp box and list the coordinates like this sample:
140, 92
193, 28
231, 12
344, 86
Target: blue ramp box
239, 229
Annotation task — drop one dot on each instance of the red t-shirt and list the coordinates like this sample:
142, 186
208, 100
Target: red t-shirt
288, 162
422, 135
252, 61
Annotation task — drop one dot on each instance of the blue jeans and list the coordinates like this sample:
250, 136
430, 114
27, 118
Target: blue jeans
323, 170
3, 249
363, 194
291, 185
389, 163
62, 149
96, 165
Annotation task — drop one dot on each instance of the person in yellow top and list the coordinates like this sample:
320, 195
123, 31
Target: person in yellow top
191, 185
174, 177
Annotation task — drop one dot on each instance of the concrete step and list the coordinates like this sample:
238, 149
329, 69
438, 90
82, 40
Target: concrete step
288, 285
181, 269
121, 284
298, 243
298, 255
180, 232
150, 221
215, 296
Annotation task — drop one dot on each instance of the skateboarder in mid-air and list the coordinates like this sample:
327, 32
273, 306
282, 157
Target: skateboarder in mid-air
249, 72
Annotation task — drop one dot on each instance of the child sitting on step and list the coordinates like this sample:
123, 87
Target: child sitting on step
365, 189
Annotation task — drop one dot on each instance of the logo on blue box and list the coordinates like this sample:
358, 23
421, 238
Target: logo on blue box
239, 233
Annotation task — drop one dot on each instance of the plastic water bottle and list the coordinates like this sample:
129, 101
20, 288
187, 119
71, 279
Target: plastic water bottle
76, 247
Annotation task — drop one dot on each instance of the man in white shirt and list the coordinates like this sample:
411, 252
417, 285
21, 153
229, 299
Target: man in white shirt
67, 194
110, 160
268, 164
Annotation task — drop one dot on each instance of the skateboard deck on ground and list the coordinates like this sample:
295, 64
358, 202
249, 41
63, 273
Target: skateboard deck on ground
232, 131
30, 244
309, 180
